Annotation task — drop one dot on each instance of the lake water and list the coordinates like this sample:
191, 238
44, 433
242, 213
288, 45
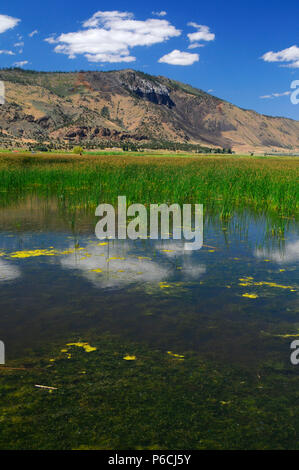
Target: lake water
230, 301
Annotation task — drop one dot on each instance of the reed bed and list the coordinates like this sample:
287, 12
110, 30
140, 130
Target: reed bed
268, 185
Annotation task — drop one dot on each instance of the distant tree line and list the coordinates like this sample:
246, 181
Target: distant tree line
128, 146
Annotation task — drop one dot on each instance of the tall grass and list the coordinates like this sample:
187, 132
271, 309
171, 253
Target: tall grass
225, 183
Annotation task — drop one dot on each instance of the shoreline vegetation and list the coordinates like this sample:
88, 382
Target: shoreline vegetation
225, 183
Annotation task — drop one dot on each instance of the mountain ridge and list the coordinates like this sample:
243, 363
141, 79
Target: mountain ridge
66, 108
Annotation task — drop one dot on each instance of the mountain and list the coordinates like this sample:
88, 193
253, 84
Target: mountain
126, 105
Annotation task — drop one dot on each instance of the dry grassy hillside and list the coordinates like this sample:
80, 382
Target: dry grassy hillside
92, 107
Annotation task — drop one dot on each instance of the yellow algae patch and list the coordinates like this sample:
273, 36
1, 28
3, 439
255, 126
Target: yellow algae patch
273, 284
172, 288
129, 358
2, 253
164, 285
250, 296
167, 251
68, 252
96, 270
144, 257
287, 336
32, 253
103, 244
39, 252
170, 353
249, 282
85, 346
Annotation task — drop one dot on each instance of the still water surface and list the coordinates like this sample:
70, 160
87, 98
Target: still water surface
230, 301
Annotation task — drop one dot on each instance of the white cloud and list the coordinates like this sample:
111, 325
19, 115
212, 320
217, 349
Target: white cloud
288, 255
109, 36
177, 57
33, 33
7, 52
121, 265
111, 58
289, 56
195, 45
159, 13
122, 269
7, 22
21, 63
8, 272
203, 33
51, 40
20, 45
275, 95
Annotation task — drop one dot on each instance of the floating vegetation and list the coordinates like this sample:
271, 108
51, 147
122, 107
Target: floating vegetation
248, 281
129, 358
85, 346
164, 285
173, 288
178, 356
288, 336
33, 253
250, 296
41, 252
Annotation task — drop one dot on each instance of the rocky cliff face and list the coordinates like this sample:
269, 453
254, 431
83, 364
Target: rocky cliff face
92, 107
150, 90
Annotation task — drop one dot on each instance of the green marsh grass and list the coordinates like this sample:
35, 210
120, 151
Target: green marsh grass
222, 183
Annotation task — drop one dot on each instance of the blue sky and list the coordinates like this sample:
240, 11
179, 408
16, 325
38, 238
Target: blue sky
246, 52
